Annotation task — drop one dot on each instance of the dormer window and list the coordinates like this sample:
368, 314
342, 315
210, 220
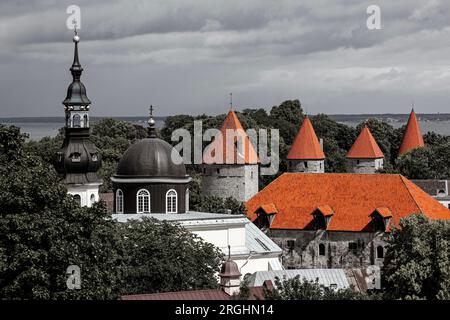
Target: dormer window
381, 218
322, 217
266, 214
75, 157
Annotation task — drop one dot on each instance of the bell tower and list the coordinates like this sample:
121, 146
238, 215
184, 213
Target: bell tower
78, 160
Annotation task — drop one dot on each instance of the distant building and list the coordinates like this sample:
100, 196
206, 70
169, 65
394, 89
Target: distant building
337, 220
438, 189
230, 163
365, 156
78, 160
306, 153
412, 138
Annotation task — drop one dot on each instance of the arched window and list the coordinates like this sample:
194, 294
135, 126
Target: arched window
171, 201
76, 121
92, 198
85, 121
119, 201
143, 201
186, 201
380, 252
77, 199
321, 249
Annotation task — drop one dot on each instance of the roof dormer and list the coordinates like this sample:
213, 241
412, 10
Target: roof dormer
322, 217
381, 217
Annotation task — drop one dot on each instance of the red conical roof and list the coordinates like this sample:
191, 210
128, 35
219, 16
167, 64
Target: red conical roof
365, 146
234, 127
306, 146
412, 137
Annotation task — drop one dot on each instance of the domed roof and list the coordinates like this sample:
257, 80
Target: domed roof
151, 157
229, 269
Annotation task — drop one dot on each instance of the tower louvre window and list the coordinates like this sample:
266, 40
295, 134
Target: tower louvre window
85, 121
119, 201
171, 201
92, 198
143, 201
75, 157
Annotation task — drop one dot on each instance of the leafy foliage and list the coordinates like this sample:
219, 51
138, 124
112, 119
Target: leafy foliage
161, 256
417, 262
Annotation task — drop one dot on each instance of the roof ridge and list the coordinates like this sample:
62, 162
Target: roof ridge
410, 194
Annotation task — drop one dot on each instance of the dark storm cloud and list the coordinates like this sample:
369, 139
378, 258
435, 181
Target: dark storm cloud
188, 54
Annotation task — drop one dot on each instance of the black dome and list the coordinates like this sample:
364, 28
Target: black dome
151, 157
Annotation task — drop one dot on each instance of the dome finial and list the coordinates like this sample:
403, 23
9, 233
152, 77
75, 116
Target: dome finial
151, 124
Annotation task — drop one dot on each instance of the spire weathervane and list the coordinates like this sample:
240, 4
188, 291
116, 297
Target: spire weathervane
231, 101
151, 124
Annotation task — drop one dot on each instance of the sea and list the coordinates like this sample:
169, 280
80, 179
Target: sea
37, 129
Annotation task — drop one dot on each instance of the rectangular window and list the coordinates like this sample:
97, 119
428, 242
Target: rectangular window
291, 244
353, 247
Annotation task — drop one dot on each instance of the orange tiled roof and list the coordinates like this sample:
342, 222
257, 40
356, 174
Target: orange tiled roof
353, 197
412, 138
234, 128
306, 146
365, 146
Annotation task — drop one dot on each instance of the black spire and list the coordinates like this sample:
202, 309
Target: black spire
76, 93
151, 125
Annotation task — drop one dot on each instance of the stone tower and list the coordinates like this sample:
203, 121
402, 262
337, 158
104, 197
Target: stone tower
230, 163
78, 160
306, 153
412, 138
365, 156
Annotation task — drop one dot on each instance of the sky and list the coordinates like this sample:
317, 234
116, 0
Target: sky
186, 56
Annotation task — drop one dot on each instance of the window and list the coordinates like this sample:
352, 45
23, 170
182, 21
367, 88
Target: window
85, 121
76, 121
218, 171
119, 201
186, 201
306, 164
357, 161
380, 252
77, 199
171, 201
94, 156
92, 198
321, 249
353, 247
291, 244
75, 157
143, 201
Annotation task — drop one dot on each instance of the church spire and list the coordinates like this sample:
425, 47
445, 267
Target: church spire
151, 124
412, 138
76, 93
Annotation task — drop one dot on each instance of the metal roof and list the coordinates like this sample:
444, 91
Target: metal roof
257, 241
325, 277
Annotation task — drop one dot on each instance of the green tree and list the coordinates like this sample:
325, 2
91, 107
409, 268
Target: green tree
161, 256
43, 231
417, 262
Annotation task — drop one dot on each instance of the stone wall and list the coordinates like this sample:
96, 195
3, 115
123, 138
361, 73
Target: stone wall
307, 166
364, 165
237, 181
329, 249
